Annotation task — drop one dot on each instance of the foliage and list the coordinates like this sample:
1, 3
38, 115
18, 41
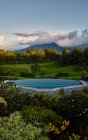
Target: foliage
17, 99
51, 102
3, 106
74, 106
37, 114
62, 74
5, 86
35, 68
56, 130
31, 56
40, 110
77, 56
75, 109
85, 90
48, 70
14, 128
27, 74
74, 137
84, 76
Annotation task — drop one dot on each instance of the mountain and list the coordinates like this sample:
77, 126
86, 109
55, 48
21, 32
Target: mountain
44, 46
84, 46
51, 46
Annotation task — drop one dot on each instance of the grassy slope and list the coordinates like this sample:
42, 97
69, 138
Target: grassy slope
48, 67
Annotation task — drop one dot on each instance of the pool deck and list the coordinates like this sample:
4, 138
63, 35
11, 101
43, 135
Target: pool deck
55, 91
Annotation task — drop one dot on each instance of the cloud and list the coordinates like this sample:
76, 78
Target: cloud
3, 44
35, 33
73, 38
72, 35
2, 41
25, 39
39, 37
85, 32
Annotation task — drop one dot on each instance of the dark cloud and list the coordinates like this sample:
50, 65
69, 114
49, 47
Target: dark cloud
72, 34
35, 33
85, 32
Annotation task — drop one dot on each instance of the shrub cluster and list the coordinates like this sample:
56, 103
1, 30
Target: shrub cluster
34, 116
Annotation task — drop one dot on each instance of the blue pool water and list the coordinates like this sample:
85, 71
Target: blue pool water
46, 83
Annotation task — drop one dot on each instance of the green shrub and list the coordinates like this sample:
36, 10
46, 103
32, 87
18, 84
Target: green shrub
75, 109
27, 74
17, 99
14, 128
34, 114
51, 102
8, 78
62, 74
85, 78
35, 68
85, 90
3, 106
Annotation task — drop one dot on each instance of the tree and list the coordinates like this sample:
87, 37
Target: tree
35, 68
77, 55
65, 57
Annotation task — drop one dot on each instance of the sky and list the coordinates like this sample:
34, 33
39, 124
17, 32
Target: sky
29, 22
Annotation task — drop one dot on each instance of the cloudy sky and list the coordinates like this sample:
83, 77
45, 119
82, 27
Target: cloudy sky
29, 22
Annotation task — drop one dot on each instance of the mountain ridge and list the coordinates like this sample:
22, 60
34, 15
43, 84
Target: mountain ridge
44, 46
50, 46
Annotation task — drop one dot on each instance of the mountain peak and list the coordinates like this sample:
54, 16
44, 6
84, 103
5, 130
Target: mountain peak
43, 46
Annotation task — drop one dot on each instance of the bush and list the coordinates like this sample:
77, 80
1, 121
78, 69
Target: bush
62, 74
85, 90
75, 109
17, 99
85, 78
27, 74
14, 128
8, 77
51, 102
35, 68
3, 106
34, 114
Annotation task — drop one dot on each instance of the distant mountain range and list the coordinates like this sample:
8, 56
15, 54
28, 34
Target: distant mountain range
50, 46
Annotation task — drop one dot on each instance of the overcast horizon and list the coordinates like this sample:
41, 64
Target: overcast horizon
29, 22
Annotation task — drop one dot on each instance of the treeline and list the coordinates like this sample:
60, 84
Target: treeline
30, 56
76, 56
67, 57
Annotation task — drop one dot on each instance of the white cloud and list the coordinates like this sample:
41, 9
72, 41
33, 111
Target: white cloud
26, 39
38, 37
3, 44
2, 41
73, 38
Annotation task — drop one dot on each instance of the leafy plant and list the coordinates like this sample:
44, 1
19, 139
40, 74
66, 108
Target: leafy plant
3, 106
14, 128
35, 114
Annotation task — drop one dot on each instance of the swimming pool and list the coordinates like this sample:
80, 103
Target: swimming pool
46, 83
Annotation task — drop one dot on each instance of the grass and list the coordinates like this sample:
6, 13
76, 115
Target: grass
47, 67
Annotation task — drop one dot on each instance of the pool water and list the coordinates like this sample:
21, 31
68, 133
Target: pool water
46, 83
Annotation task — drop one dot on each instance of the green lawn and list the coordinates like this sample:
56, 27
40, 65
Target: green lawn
47, 67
